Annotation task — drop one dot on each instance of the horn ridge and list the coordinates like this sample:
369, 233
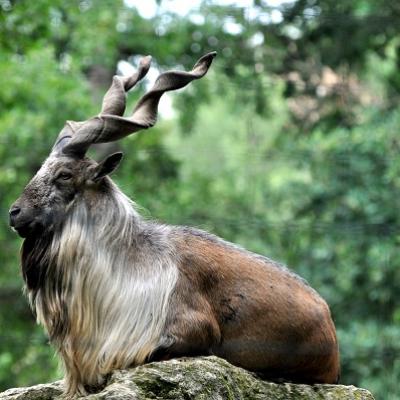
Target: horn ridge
111, 125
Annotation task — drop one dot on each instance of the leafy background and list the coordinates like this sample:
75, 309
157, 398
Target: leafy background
289, 147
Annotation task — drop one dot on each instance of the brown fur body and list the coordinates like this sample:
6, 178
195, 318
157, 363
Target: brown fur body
249, 310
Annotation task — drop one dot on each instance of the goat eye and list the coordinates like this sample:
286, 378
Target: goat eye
64, 176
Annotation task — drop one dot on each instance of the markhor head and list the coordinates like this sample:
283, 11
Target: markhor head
68, 174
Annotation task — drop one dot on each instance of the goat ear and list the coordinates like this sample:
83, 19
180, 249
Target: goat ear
106, 166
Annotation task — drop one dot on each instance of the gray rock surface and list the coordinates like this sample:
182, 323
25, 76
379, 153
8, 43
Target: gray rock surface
203, 378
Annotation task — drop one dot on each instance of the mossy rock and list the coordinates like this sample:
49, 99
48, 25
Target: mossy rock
203, 378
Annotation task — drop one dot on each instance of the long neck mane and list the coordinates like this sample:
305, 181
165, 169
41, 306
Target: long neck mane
102, 285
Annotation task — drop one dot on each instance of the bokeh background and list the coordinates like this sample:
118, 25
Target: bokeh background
289, 146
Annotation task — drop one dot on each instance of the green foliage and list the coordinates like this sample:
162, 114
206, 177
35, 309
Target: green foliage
289, 148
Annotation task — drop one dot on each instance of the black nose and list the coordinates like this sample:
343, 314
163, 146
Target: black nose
14, 211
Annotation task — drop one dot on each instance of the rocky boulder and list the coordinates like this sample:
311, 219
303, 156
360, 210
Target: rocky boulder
203, 378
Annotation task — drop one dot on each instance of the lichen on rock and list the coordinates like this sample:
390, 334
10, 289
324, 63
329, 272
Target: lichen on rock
202, 378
